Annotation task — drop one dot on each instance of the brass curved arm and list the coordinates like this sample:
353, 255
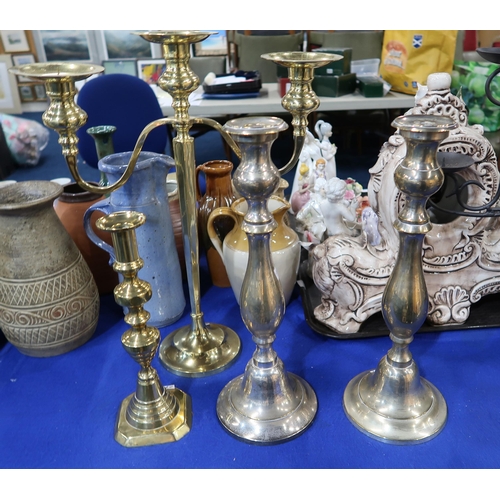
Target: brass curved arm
298, 141
217, 126
71, 161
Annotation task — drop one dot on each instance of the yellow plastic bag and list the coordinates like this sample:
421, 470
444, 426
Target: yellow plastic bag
409, 57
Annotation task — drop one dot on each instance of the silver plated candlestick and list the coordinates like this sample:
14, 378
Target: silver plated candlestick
393, 403
266, 404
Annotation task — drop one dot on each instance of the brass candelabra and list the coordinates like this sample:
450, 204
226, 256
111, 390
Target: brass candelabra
200, 348
154, 414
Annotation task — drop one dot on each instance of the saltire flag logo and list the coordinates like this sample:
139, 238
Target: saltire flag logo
417, 41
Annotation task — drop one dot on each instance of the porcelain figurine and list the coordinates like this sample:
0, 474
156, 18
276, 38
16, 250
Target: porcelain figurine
324, 132
461, 257
317, 159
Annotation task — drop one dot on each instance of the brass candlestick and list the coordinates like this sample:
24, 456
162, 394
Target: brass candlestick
153, 414
392, 403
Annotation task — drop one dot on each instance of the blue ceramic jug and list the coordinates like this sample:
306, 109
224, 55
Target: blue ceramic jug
146, 192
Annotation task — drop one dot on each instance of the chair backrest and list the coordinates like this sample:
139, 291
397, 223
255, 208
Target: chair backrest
203, 65
364, 44
246, 48
128, 103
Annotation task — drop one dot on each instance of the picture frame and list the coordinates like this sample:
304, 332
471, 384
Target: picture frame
26, 93
126, 66
214, 45
9, 94
14, 41
122, 44
150, 70
65, 45
39, 92
21, 59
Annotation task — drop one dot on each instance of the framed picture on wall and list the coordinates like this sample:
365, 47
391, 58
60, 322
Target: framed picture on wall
214, 45
14, 41
122, 44
124, 66
23, 59
9, 94
150, 70
65, 45
26, 93
39, 91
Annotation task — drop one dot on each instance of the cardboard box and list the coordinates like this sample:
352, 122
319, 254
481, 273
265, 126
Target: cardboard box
335, 85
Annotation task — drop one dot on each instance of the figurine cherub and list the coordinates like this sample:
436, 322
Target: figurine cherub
310, 216
337, 216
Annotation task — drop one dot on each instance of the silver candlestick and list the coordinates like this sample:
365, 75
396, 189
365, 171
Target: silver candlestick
392, 403
266, 404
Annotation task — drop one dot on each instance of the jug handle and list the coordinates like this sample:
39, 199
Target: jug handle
212, 233
101, 206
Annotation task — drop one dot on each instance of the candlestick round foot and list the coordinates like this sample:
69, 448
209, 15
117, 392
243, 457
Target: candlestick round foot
162, 426
263, 418
203, 350
395, 405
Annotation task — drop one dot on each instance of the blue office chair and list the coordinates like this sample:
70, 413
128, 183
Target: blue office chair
128, 103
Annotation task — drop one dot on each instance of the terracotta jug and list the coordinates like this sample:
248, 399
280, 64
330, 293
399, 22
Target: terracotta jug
49, 303
218, 193
285, 245
70, 208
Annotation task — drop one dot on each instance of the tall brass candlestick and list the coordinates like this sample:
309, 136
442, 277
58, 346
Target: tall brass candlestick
392, 403
153, 414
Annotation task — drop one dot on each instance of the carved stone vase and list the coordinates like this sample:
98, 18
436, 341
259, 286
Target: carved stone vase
49, 303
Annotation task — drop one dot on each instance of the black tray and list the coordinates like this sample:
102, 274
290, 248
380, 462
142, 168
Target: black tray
253, 83
483, 314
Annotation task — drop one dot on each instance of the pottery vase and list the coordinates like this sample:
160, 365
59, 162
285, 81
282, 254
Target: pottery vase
146, 192
70, 208
285, 245
49, 302
218, 193
103, 138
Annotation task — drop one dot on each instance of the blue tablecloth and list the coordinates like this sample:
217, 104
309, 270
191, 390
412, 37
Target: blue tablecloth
60, 412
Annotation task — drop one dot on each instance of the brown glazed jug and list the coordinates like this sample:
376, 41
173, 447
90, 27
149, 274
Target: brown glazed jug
70, 208
218, 193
